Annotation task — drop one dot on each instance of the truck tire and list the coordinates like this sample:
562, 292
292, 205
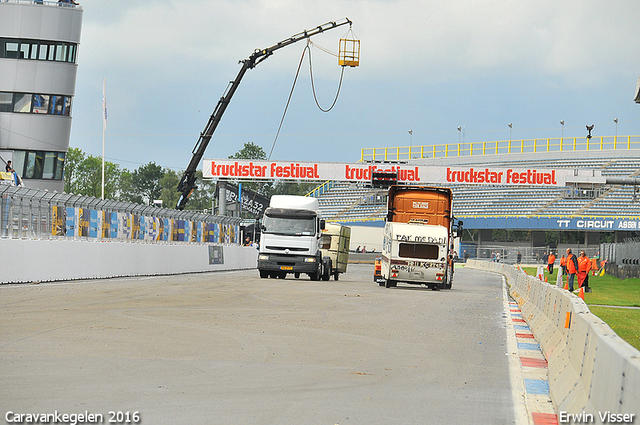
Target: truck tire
326, 269
335, 275
391, 283
448, 278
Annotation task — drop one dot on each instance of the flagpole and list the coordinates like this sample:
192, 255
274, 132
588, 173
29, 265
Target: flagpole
104, 125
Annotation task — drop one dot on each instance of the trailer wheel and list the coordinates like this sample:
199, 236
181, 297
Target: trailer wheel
335, 276
326, 269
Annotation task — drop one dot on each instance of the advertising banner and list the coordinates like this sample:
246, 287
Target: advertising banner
361, 172
252, 202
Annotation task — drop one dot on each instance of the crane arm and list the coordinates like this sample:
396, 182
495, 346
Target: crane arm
188, 181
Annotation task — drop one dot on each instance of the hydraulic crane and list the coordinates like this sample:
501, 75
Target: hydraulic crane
188, 180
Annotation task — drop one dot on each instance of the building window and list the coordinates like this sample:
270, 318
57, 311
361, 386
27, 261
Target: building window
35, 103
11, 48
39, 165
6, 102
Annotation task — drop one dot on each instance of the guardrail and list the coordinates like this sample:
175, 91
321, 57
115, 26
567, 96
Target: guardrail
36, 214
449, 150
591, 369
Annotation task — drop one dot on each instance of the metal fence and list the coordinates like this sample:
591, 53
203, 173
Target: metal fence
39, 214
627, 253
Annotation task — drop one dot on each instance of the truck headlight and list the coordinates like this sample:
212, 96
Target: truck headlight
310, 260
263, 257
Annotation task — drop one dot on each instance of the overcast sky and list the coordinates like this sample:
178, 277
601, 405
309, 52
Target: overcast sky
425, 66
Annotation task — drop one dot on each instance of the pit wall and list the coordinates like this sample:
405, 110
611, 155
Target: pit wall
24, 261
591, 369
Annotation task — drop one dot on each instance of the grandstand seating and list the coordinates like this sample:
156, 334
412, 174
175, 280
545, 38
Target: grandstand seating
345, 201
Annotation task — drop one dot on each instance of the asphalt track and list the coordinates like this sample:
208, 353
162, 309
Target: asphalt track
231, 348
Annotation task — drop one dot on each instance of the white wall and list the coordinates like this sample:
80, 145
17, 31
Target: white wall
51, 260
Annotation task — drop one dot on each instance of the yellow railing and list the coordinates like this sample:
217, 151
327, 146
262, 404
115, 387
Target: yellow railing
560, 144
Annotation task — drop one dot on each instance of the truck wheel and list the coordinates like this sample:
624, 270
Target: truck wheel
391, 283
264, 274
335, 276
380, 282
326, 269
449, 278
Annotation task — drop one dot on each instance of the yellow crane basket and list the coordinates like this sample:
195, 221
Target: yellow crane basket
349, 50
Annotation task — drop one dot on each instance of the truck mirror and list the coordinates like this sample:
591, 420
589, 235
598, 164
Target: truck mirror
322, 224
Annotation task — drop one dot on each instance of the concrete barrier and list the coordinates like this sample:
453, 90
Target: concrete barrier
53, 260
592, 371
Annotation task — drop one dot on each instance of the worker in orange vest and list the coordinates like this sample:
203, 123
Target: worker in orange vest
563, 264
551, 261
584, 265
572, 268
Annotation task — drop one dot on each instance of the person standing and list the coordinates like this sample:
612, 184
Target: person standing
584, 265
572, 268
563, 264
550, 261
519, 257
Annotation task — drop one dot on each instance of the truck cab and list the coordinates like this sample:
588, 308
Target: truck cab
418, 237
290, 238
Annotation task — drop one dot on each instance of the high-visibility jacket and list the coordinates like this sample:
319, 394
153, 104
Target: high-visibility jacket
552, 259
584, 264
572, 264
563, 261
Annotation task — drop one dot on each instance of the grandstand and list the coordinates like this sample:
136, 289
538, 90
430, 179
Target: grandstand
359, 203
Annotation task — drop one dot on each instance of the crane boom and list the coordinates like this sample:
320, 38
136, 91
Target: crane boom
188, 180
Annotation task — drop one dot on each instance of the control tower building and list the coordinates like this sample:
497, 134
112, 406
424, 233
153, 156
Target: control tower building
39, 42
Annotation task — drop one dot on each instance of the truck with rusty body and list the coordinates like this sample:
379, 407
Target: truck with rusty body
418, 237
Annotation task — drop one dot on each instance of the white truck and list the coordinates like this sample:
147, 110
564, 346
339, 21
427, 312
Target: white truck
290, 239
335, 246
418, 237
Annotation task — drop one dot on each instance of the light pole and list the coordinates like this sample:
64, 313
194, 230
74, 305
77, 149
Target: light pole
510, 128
615, 120
459, 134
562, 124
410, 142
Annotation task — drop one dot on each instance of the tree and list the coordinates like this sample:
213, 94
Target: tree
74, 157
83, 175
249, 151
146, 180
169, 193
252, 151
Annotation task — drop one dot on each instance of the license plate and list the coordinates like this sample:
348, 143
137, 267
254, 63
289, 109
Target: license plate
286, 267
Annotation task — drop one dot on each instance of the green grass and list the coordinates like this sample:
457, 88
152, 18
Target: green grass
608, 290
625, 322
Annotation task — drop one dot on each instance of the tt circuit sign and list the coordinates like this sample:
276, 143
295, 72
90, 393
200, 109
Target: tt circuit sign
426, 174
552, 223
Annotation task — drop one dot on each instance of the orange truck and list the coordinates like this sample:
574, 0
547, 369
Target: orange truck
418, 237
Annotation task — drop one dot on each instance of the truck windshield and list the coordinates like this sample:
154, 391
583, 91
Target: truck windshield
289, 226
418, 250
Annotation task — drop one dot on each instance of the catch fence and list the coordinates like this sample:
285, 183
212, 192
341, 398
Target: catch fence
39, 214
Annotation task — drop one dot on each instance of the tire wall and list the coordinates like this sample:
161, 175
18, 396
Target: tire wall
591, 369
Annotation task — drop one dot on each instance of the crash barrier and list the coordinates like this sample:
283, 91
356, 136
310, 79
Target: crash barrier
28, 261
591, 369
38, 214
48, 236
